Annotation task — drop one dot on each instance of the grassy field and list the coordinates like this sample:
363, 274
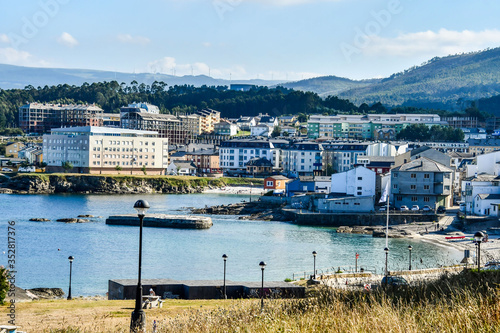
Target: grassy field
468, 302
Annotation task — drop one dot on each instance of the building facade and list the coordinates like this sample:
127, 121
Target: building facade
421, 182
41, 118
105, 150
234, 154
303, 159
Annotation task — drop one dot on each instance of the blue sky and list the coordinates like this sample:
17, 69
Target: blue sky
245, 39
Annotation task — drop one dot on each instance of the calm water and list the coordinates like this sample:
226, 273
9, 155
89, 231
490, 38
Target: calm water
105, 252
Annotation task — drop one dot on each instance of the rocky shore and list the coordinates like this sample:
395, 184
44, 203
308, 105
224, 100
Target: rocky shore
255, 210
102, 184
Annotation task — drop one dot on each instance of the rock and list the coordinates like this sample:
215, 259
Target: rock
344, 229
72, 220
38, 219
46, 293
85, 216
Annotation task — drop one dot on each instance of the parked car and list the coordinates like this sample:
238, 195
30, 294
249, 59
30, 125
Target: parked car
394, 281
441, 210
6, 169
403, 208
27, 169
426, 208
415, 207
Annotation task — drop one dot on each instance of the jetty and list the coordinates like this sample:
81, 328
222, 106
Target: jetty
162, 221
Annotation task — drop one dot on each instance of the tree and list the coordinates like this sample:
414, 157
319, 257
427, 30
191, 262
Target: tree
276, 131
67, 166
118, 168
143, 169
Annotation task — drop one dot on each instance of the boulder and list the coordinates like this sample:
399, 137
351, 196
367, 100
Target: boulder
39, 219
46, 293
85, 216
72, 220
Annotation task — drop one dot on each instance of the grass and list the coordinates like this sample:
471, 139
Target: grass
467, 302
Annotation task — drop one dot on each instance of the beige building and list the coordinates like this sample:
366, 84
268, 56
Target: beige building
105, 150
12, 149
209, 118
191, 123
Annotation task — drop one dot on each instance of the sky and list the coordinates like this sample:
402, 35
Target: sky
283, 40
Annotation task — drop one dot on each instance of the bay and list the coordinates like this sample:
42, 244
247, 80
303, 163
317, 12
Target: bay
104, 252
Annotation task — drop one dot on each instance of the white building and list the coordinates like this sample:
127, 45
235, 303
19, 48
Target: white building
475, 191
225, 127
105, 150
486, 163
181, 168
358, 182
261, 130
303, 159
234, 154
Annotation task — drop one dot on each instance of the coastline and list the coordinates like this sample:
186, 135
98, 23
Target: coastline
254, 191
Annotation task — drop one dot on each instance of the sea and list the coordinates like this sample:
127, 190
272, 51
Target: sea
103, 252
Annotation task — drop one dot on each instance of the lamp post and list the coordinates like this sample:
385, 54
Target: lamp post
70, 258
224, 256
409, 250
251, 186
138, 319
262, 266
314, 272
386, 250
478, 237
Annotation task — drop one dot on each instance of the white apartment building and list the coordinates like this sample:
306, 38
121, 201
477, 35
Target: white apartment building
105, 150
234, 154
303, 159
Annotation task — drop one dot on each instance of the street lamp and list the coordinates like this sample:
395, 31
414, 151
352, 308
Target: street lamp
314, 255
386, 250
409, 250
70, 258
138, 319
478, 237
262, 266
224, 256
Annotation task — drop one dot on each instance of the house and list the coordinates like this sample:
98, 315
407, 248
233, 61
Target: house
357, 182
290, 121
487, 204
245, 123
308, 184
181, 168
488, 163
288, 131
12, 149
483, 146
475, 189
259, 166
379, 164
261, 130
266, 119
277, 184
474, 133
343, 156
421, 182
225, 127
303, 159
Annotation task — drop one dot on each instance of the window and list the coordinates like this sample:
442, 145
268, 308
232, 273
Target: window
399, 198
395, 186
426, 187
413, 187
414, 199
426, 176
413, 175
360, 188
269, 183
360, 178
360, 193
426, 199
446, 188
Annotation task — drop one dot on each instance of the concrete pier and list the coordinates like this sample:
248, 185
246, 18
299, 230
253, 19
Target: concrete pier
163, 221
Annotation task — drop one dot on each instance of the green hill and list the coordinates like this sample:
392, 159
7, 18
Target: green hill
328, 85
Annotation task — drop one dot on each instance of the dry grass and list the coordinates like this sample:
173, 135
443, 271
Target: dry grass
468, 302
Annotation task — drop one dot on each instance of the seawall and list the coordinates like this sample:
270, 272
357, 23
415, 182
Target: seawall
163, 221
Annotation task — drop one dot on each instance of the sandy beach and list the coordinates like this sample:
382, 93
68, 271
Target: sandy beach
256, 190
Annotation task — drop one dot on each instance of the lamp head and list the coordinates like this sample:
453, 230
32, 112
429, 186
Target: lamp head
478, 236
410, 248
314, 253
70, 258
141, 206
262, 265
224, 256
386, 250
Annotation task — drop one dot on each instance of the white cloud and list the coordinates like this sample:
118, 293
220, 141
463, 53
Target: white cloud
4, 38
12, 56
443, 42
169, 65
126, 38
206, 44
67, 40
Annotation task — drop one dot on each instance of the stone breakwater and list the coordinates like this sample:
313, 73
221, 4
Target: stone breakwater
48, 184
163, 221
